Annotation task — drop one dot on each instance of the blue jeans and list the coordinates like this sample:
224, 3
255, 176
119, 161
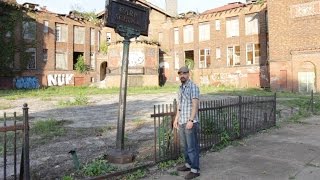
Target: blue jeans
189, 140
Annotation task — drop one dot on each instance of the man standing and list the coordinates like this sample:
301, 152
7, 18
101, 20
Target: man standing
187, 122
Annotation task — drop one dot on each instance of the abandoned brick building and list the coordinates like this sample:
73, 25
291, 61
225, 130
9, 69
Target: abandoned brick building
239, 44
294, 41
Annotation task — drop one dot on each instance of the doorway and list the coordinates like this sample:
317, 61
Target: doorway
189, 59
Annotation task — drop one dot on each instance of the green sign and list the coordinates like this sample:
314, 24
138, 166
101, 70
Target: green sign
129, 14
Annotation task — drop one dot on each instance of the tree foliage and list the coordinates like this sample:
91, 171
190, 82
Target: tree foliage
80, 66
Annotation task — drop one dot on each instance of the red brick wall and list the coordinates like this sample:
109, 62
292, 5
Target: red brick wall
294, 40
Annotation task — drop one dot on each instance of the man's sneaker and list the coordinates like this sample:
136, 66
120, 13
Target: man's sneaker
191, 175
183, 168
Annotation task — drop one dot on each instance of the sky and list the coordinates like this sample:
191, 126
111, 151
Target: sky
64, 6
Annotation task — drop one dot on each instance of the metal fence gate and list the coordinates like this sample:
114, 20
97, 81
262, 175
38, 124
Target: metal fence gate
15, 138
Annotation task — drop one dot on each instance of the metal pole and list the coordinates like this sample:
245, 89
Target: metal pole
26, 160
123, 95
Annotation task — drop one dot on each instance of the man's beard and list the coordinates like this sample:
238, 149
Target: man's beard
183, 80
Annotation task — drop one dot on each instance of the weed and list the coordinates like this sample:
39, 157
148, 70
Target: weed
79, 100
174, 173
168, 164
48, 128
97, 167
140, 173
67, 178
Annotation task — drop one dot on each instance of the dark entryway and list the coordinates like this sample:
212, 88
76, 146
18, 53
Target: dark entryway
75, 57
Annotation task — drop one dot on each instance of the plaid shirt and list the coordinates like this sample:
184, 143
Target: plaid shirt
187, 92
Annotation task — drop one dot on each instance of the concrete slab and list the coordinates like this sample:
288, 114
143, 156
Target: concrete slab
292, 152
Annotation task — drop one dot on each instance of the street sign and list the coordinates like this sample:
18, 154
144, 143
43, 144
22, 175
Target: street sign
129, 14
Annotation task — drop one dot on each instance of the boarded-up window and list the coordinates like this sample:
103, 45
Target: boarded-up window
61, 61
92, 61
79, 35
176, 60
218, 25
204, 31
188, 34
92, 37
252, 24
45, 54
176, 35
218, 53
29, 30
232, 26
45, 26
61, 32
306, 81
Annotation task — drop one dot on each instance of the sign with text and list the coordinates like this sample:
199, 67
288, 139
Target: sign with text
129, 14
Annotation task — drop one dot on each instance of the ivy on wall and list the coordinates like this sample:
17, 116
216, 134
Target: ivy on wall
12, 17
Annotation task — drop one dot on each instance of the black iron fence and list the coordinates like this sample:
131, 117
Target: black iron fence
220, 121
15, 138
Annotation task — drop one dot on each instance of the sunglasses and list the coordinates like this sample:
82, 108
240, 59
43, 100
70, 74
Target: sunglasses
182, 73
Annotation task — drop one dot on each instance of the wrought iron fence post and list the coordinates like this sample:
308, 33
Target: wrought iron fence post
240, 117
26, 160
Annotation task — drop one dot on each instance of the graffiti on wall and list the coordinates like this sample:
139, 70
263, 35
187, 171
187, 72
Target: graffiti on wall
59, 79
136, 58
27, 82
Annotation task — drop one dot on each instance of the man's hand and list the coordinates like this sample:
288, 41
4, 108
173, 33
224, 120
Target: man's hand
175, 124
189, 125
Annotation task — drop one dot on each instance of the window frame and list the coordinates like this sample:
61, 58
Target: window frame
255, 58
206, 58
234, 56
33, 56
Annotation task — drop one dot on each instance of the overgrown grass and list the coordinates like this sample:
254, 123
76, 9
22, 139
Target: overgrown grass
74, 91
171, 163
48, 128
79, 100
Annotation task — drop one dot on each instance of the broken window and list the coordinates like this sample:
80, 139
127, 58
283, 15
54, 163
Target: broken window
32, 58
233, 57
79, 35
204, 61
29, 30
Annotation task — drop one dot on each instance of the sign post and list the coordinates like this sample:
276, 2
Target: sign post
129, 20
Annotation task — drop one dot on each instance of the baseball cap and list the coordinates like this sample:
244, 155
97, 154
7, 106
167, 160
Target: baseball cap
183, 69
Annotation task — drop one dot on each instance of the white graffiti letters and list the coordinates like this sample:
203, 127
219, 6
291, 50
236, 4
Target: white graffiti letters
59, 79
